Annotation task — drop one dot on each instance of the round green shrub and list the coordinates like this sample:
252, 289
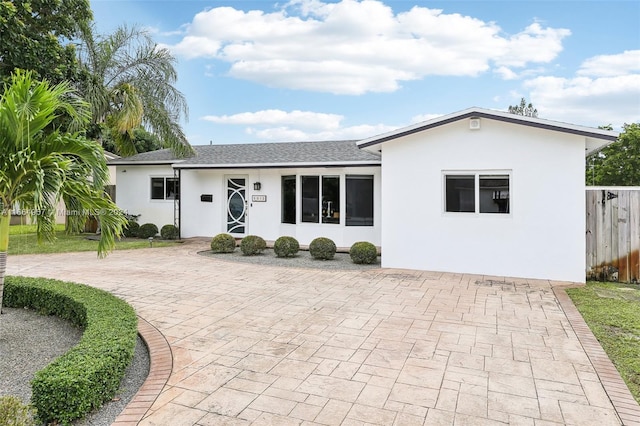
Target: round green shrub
223, 243
322, 248
286, 247
169, 232
147, 230
132, 228
252, 244
363, 252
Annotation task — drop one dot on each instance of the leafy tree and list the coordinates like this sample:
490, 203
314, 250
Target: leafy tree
143, 141
40, 163
618, 164
129, 82
35, 36
523, 109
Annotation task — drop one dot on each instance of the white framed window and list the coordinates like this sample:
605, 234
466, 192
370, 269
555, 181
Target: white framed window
320, 199
359, 198
484, 192
165, 188
320, 202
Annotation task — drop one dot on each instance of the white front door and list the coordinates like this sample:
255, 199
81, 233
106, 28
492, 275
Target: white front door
237, 204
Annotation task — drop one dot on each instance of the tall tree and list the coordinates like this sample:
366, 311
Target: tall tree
523, 109
142, 140
36, 34
618, 164
129, 81
40, 163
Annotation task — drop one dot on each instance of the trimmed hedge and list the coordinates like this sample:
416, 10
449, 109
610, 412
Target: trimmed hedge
147, 230
322, 248
252, 245
169, 232
363, 252
286, 247
89, 374
132, 228
223, 243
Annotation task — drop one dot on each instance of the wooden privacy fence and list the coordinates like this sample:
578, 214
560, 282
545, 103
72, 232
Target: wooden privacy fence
613, 234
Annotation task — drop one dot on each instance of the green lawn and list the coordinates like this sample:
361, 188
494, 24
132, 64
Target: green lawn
23, 240
612, 312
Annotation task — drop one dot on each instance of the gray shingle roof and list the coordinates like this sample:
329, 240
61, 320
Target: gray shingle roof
260, 155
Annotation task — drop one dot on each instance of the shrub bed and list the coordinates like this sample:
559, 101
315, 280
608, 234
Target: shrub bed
363, 252
169, 232
89, 374
147, 230
322, 248
223, 243
286, 247
252, 245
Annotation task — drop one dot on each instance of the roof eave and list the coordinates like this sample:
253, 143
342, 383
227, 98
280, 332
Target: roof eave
372, 163
144, 163
588, 132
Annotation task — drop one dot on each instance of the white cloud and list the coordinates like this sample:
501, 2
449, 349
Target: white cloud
343, 133
506, 73
278, 125
624, 63
275, 117
355, 47
424, 117
589, 101
605, 90
533, 45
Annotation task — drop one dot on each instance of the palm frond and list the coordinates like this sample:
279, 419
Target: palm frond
39, 165
130, 80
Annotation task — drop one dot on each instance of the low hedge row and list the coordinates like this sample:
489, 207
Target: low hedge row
321, 248
134, 230
89, 374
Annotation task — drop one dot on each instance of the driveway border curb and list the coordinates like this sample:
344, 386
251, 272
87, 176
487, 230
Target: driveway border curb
625, 405
161, 365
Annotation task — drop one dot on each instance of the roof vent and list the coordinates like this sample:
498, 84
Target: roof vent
474, 123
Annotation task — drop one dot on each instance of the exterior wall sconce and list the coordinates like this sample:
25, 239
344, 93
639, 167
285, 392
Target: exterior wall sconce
257, 186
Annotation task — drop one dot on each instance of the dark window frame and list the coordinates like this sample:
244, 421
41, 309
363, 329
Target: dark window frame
288, 207
357, 209
163, 185
477, 192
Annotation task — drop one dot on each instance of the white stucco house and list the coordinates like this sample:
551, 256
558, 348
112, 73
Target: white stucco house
477, 191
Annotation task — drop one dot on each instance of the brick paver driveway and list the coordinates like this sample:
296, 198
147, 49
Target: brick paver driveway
270, 345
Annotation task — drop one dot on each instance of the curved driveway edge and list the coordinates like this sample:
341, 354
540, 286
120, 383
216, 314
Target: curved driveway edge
161, 365
624, 403
259, 345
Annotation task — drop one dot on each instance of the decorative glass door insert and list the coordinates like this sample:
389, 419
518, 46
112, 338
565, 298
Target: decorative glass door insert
236, 205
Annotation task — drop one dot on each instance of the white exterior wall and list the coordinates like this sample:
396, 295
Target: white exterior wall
542, 237
264, 218
134, 194
112, 175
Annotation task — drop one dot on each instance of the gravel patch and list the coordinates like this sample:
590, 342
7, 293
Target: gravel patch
302, 260
29, 342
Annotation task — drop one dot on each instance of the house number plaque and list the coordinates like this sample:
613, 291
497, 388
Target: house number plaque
259, 198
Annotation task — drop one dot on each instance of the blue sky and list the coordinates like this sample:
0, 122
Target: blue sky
261, 71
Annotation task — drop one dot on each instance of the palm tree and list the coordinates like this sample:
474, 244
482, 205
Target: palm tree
129, 81
40, 163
